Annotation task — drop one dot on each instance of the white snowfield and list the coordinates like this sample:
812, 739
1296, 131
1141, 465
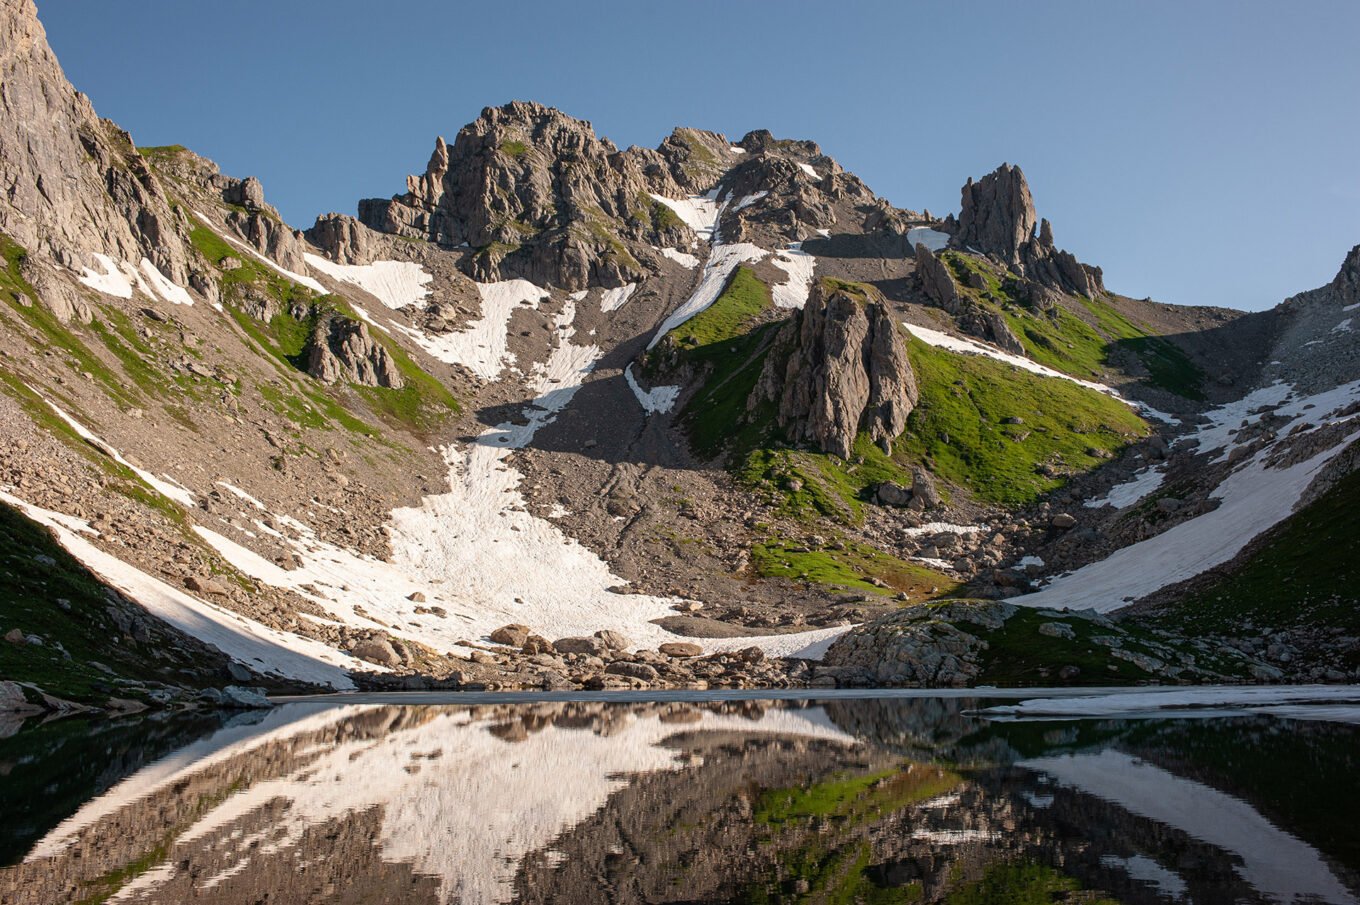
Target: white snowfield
118, 279
1252, 499
1280, 866
480, 554
258, 646
439, 811
483, 345
722, 260
1131, 491
930, 238
165, 486
684, 259
394, 283
807, 168
698, 212
614, 299
657, 400
1169, 700
748, 200
299, 278
799, 265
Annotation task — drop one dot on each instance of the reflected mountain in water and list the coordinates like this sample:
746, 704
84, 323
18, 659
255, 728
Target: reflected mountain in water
853, 801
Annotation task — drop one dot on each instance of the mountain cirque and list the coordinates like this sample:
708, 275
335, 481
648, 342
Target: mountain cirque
563, 415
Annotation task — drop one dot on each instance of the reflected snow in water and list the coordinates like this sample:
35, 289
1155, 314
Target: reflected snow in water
922, 798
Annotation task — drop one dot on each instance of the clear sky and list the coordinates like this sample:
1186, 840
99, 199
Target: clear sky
1201, 152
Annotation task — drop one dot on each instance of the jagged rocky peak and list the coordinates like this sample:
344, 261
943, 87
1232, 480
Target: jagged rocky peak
997, 219
789, 191
73, 185
838, 368
687, 162
533, 193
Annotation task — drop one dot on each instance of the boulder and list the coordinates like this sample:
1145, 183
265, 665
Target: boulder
614, 640
593, 647
377, 650
341, 350
242, 698
633, 670
680, 649
514, 634
536, 644
890, 493
1063, 521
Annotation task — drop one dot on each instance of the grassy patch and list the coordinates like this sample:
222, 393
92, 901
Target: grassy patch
512, 148
1025, 883
847, 565
855, 797
958, 428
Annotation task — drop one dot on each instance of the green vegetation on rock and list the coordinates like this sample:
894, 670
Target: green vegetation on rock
1025, 883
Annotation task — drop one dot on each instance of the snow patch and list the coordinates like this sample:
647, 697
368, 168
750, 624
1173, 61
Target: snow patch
698, 212
806, 168
798, 264
682, 258
748, 200
657, 400
483, 346
1131, 491
113, 281
1259, 698
1145, 870
165, 287
717, 269
614, 299
1343, 327
394, 283
1027, 561
930, 238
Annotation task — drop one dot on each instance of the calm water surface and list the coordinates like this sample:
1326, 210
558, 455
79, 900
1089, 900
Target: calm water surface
841, 800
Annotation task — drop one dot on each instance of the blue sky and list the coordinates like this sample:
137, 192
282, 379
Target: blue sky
1201, 152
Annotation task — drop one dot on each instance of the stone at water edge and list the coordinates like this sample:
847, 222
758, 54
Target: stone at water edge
614, 640
680, 649
244, 698
513, 634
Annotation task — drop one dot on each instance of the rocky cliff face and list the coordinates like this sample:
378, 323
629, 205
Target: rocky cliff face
838, 368
341, 350
73, 184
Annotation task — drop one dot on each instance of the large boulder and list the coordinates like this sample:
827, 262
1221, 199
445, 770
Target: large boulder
341, 350
932, 645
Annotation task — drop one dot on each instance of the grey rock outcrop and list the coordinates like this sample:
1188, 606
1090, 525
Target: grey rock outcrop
270, 236
343, 239
930, 646
341, 350
997, 219
936, 281
838, 368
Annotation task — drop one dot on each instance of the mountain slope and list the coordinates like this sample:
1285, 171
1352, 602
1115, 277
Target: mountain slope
560, 407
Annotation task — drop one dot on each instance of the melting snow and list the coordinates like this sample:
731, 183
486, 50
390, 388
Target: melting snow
699, 212
717, 269
1027, 561
113, 281
165, 287
1279, 865
941, 528
1131, 491
681, 258
930, 238
657, 400
261, 647
614, 299
748, 200
798, 264
1343, 327
809, 170
394, 283
483, 346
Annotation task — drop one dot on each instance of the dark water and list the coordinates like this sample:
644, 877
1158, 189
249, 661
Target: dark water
838, 801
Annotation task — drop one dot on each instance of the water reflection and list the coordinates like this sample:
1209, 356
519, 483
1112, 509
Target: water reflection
853, 801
